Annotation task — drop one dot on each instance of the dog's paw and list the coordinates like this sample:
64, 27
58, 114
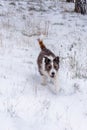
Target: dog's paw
56, 90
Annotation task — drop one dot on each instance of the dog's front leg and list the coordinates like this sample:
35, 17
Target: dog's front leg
56, 84
44, 80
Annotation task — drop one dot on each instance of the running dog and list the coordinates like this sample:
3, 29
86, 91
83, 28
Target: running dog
48, 65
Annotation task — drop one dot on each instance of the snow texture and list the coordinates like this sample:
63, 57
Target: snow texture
24, 103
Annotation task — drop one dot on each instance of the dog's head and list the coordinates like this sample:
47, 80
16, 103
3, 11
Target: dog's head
51, 65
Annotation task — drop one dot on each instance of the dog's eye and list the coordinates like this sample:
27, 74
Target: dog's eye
49, 67
56, 67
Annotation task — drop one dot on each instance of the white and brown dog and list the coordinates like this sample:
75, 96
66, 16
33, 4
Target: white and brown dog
48, 65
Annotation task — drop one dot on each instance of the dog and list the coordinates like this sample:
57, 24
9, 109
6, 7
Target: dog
48, 65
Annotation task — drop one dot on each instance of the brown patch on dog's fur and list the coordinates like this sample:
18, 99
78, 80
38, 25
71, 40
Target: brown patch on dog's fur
42, 46
56, 63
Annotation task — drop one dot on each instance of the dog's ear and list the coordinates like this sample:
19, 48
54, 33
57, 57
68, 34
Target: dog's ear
47, 60
56, 59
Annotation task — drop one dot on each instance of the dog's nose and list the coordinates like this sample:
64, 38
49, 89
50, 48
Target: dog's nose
52, 74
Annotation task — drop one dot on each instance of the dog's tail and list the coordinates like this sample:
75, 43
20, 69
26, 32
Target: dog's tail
42, 46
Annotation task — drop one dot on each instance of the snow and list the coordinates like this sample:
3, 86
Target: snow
25, 104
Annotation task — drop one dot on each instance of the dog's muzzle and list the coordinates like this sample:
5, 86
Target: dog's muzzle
52, 75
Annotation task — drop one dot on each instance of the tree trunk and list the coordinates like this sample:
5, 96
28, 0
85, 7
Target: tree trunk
80, 6
69, 0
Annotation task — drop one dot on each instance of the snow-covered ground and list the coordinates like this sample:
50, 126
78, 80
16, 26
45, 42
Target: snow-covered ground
24, 103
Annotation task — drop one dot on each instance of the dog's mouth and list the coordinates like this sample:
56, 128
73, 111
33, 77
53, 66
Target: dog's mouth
52, 76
